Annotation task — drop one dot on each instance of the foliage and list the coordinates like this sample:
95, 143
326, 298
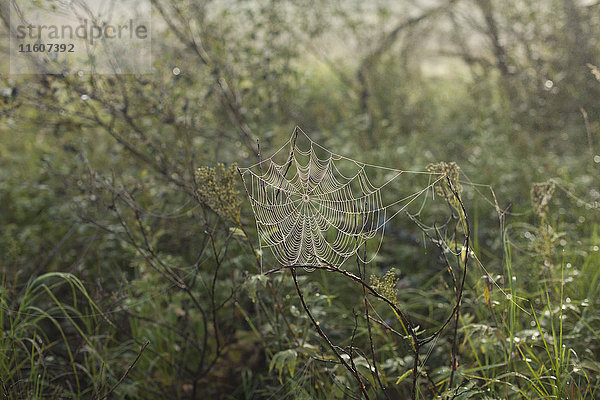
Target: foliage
123, 218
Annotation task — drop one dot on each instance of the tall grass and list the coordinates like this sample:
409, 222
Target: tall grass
52, 340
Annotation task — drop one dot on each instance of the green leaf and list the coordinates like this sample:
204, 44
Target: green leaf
284, 359
236, 232
403, 376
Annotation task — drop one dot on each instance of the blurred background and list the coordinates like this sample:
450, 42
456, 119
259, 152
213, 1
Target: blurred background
124, 220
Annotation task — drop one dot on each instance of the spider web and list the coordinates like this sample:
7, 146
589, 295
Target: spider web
317, 208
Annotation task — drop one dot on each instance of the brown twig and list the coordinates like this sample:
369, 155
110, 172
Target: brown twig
112, 389
353, 371
375, 370
462, 285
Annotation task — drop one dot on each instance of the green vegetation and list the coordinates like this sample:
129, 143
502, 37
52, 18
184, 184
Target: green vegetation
129, 259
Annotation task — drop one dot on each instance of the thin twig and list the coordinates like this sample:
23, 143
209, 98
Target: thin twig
375, 371
325, 337
466, 244
112, 389
415, 371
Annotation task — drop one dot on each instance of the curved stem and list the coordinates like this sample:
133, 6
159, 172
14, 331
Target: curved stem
324, 336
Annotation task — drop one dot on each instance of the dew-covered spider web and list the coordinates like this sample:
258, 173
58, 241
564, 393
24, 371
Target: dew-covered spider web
314, 207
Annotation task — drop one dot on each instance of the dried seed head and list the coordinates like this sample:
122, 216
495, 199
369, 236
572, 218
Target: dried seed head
386, 285
216, 190
447, 188
541, 195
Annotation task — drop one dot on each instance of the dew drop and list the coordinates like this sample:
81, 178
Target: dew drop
585, 303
